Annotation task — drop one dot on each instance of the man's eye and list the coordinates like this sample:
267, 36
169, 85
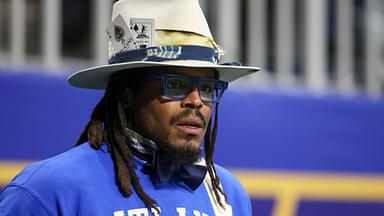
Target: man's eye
206, 89
175, 84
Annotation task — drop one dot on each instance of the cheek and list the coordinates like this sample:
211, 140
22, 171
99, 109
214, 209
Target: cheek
153, 119
207, 113
160, 115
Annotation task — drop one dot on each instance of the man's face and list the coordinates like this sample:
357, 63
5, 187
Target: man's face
175, 124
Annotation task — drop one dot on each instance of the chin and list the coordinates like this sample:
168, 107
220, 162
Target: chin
182, 152
190, 144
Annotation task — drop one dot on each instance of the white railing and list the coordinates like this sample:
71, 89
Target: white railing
373, 49
248, 43
17, 33
51, 33
345, 45
51, 57
315, 65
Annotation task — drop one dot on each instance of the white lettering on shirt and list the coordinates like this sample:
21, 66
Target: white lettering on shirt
197, 213
155, 212
181, 211
138, 212
118, 213
144, 212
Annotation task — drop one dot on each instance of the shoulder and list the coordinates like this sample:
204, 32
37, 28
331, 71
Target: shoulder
228, 180
237, 196
58, 179
59, 167
13, 195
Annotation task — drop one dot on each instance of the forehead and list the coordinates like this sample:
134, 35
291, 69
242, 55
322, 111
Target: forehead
197, 72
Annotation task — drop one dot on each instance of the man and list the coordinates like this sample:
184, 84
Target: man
140, 154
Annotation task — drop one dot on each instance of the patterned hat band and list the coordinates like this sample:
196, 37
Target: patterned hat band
167, 53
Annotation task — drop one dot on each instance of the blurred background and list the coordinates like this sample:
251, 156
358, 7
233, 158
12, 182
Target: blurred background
305, 135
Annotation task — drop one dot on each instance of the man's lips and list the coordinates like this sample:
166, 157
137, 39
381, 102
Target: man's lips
190, 125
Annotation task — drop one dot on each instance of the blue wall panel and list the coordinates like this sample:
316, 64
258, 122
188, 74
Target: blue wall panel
338, 208
42, 116
277, 131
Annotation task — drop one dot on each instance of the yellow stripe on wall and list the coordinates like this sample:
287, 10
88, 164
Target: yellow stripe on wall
9, 169
288, 188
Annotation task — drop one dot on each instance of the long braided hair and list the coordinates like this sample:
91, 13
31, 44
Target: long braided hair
107, 124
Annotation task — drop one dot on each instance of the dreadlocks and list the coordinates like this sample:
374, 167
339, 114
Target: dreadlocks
107, 124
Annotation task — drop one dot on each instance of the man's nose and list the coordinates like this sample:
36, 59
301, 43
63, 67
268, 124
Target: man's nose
192, 100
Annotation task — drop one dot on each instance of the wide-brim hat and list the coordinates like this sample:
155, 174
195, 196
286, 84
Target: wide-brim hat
158, 33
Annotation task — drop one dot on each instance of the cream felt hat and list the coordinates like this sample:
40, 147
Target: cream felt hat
158, 33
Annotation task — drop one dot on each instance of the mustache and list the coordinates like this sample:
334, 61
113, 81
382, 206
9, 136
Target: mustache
186, 113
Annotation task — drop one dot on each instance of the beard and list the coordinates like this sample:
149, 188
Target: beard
186, 154
169, 153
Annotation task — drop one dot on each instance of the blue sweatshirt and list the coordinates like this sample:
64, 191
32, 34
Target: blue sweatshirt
82, 181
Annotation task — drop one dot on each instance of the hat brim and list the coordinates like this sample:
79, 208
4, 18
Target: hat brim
97, 77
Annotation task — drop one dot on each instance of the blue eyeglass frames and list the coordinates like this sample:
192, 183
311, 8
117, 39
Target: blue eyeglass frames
177, 86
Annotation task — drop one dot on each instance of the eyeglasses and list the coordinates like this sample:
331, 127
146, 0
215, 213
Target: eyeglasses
178, 87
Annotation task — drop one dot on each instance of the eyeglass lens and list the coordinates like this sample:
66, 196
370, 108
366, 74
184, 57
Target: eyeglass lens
180, 87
